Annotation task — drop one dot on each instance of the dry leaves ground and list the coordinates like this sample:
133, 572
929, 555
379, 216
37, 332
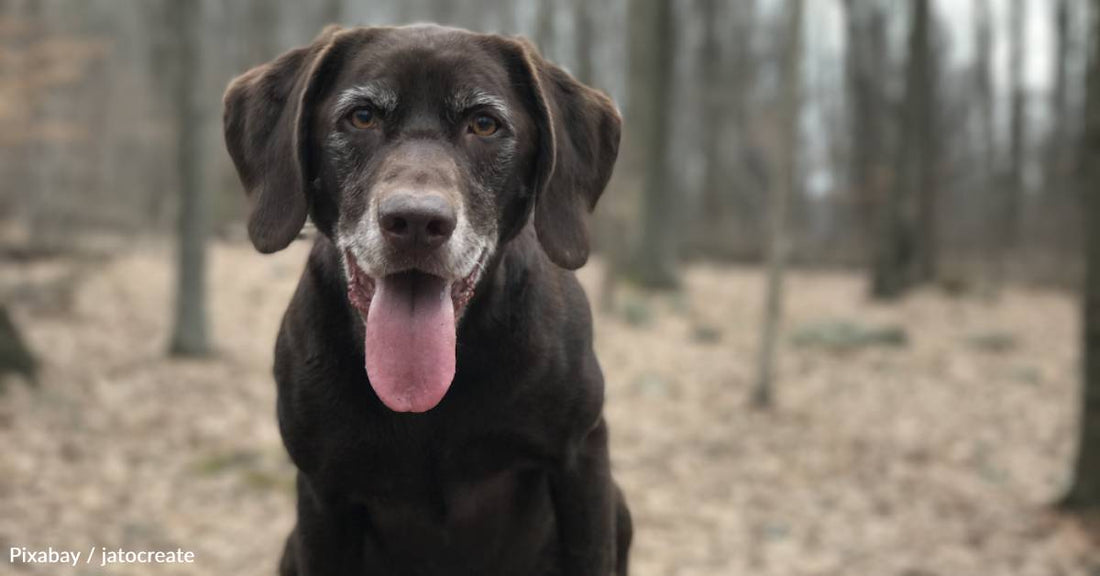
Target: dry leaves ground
934, 458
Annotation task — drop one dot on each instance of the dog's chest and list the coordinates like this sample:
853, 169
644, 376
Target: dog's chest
467, 518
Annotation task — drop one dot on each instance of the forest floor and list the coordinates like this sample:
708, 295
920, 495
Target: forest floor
933, 454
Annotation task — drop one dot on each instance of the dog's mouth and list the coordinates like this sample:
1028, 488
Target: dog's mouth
410, 319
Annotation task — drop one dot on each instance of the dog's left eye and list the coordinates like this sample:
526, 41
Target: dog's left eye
362, 118
484, 125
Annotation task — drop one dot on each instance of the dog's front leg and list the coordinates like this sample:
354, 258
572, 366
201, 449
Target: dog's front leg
584, 503
328, 540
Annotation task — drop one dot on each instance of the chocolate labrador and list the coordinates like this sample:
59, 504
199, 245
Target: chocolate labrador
438, 390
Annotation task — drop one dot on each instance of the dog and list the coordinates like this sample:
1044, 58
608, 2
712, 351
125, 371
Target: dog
437, 387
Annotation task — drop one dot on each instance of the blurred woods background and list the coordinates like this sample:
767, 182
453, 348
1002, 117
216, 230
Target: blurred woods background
936, 139
940, 147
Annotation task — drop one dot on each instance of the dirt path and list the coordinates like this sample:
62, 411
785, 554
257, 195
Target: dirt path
935, 458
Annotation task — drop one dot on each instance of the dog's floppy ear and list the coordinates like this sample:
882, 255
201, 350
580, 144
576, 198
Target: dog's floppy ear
265, 121
579, 131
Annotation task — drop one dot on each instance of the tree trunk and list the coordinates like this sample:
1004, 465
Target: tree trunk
1014, 189
713, 105
1059, 102
544, 28
866, 66
925, 157
983, 86
189, 335
897, 259
784, 182
445, 12
652, 51
1085, 490
746, 181
15, 355
583, 31
1058, 200
261, 29
333, 11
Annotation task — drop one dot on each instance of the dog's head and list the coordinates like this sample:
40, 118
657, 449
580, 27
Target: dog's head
419, 151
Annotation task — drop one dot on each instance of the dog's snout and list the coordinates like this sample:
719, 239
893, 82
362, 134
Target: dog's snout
411, 221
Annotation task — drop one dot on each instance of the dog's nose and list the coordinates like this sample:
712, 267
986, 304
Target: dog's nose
411, 221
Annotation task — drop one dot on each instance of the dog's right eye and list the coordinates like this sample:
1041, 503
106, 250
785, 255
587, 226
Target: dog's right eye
483, 125
362, 118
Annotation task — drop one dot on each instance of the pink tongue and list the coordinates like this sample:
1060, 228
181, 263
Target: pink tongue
411, 341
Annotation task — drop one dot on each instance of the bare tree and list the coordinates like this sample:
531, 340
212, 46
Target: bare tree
189, 337
785, 180
908, 209
15, 355
1059, 203
983, 88
726, 216
445, 12
261, 29
1059, 100
745, 173
714, 94
333, 11
866, 66
924, 185
544, 28
583, 35
651, 61
1014, 173
1084, 493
